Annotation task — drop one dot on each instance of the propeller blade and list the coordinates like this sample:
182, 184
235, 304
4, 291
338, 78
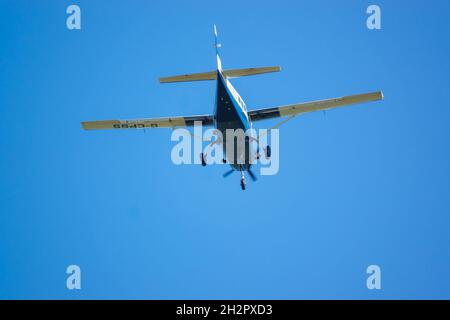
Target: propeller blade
226, 174
252, 175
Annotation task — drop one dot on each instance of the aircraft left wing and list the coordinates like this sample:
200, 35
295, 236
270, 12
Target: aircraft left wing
295, 109
171, 122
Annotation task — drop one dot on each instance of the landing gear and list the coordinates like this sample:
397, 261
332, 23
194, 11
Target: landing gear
242, 179
203, 157
268, 151
243, 184
224, 160
208, 147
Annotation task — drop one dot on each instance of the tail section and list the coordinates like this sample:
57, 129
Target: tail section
212, 75
217, 45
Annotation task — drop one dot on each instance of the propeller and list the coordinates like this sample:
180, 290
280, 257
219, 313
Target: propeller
226, 174
252, 175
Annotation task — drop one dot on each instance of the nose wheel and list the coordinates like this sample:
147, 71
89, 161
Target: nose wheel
242, 180
243, 183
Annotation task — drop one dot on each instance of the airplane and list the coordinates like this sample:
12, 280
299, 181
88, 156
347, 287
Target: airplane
230, 112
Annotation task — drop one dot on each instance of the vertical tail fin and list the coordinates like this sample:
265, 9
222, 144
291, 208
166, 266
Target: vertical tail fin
217, 46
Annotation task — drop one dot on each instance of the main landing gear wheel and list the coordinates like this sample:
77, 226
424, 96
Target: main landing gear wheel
268, 152
203, 157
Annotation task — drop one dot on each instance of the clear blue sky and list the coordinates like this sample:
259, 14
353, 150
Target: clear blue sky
363, 185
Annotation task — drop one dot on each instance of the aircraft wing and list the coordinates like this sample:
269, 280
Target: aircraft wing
171, 122
298, 108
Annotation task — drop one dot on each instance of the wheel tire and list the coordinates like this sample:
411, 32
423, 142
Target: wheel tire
202, 156
242, 185
268, 152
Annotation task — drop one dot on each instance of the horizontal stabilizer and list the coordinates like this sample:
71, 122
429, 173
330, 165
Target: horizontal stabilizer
212, 75
190, 77
236, 73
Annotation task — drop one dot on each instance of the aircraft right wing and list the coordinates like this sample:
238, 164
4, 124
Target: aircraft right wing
298, 108
172, 122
